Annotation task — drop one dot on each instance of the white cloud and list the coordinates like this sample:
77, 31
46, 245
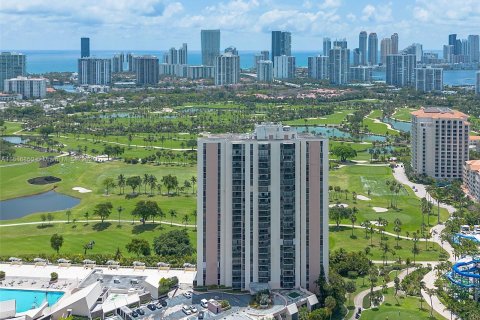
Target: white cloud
380, 13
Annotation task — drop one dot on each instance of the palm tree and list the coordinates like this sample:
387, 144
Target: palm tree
146, 179
119, 209
152, 181
121, 183
68, 213
193, 180
421, 287
173, 214
366, 225
353, 218
185, 219
430, 292
86, 214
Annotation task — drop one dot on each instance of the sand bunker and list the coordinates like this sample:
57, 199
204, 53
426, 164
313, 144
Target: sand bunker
360, 197
81, 190
339, 204
379, 209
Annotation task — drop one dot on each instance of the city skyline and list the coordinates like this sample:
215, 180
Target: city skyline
246, 24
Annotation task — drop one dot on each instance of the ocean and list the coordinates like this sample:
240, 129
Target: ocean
42, 61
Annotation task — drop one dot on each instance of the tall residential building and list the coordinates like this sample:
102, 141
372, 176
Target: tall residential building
227, 69
327, 46
200, 72
428, 79
27, 87
356, 57
318, 67
401, 70
362, 46
210, 46
416, 49
471, 179
281, 44
93, 71
174, 56
265, 71
12, 65
341, 43
439, 142
284, 67
84, 47
232, 50
265, 54
372, 49
262, 209
473, 46
394, 38
448, 53
338, 65
385, 49
361, 74
117, 63
131, 66
146, 70
477, 84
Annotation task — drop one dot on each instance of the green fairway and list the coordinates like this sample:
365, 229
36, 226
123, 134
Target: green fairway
370, 181
341, 238
407, 308
11, 127
336, 118
34, 239
403, 114
90, 175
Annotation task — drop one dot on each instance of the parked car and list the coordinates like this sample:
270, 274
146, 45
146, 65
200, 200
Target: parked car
151, 306
194, 309
186, 310
204, 303
201, 315
134, 314
187, 294
140, 312
162, 302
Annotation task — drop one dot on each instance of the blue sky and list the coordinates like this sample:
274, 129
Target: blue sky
246, 24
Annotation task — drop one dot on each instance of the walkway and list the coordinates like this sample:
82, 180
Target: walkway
94, 220
429, 279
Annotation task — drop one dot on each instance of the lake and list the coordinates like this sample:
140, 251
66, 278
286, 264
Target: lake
398, 125
15, 140
331, 132
43, 202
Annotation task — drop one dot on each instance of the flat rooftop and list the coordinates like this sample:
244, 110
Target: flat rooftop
439, 113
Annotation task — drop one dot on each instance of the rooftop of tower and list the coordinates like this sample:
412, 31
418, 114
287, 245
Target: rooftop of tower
439, 113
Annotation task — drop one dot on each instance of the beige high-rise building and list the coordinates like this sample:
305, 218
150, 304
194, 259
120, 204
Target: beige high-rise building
262, 204
385, 49
439, 142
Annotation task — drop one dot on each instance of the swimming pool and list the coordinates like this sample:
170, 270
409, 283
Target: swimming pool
26, 299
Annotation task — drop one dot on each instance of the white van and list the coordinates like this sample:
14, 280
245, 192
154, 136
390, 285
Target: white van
204, 303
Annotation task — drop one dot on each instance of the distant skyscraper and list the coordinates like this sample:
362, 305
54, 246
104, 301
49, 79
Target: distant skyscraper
318, 67
401, 70
12, 65
327, 45
428, 79
360, 74
265, 71
85, 47
265, 55
281, 44
146, 69
232, 50
416, 49
394, 39
262, 209
227, 69
174, 56
474, 50
117, 63
94, 71
385, 49
477, 84
448, 53
357, 57
210, 46
182, 54
284, 67
256, 59
372, 49
341, 43
452, 39
362, 46
338, 65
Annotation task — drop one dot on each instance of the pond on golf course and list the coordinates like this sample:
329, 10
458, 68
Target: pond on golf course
43, 202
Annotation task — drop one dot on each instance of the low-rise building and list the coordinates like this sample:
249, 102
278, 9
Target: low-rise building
471, 179
27, 87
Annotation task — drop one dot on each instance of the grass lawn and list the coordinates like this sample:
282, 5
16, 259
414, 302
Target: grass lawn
31, 239
335, 118
363, 179
403, 114
90, 175
408, 308
341, 238
11, 127
378, 127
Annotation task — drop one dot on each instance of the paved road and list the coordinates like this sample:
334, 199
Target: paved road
429, 279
